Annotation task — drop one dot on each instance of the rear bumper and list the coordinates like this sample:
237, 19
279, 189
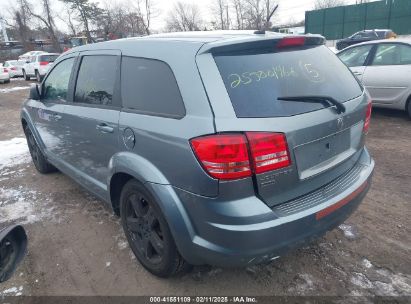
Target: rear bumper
4, 76
233, 234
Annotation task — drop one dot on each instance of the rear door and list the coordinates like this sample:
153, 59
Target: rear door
244, 85
91, 120
387, 78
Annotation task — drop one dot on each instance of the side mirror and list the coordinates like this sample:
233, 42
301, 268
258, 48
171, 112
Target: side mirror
27, 61
34, 92
13, 246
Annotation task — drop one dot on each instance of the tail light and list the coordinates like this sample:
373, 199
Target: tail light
5, 70
269, 151
44, 63
233, 156
13, 69
367, 117
223, 156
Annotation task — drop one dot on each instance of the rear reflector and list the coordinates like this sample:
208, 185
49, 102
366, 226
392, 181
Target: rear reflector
290, 42
223, 156
269, 151
323, 213
226, 156
367, 117
44, 63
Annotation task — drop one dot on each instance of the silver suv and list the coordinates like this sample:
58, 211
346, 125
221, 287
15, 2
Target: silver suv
214, 148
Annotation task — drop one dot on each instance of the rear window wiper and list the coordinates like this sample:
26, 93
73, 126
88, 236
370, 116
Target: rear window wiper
325, 100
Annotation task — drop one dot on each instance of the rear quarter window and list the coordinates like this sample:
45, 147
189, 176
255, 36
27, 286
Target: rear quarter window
149, 87
255, 81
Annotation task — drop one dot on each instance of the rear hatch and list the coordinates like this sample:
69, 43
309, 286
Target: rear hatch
47, 60
324, 141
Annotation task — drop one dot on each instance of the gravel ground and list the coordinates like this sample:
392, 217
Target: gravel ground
77, 247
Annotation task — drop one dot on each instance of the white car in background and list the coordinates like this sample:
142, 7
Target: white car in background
14, 68
4, 76
26, 56
38, 65
384, 67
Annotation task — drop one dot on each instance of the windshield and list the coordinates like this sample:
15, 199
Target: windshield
255, 81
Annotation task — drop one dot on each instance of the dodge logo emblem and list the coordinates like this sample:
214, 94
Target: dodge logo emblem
340, 123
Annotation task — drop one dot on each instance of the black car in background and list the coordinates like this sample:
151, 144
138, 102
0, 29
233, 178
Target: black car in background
363, 36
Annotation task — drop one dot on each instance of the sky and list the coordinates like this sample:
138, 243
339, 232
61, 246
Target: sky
289, 10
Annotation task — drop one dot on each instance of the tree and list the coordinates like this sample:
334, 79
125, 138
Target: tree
220, 12
146, 10
88, 12
67, 18
45, 17
21, 20
239, 13
258, 13
320, 4
184, 17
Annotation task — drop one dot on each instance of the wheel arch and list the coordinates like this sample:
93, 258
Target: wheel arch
124, 166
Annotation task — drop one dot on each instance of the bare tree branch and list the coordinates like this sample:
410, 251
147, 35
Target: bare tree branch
184, 17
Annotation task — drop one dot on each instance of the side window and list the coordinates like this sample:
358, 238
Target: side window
355, 56
55, 86
392, 54
149, 86
96, 80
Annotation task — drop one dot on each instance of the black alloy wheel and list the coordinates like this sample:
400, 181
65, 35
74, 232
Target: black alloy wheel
148, 233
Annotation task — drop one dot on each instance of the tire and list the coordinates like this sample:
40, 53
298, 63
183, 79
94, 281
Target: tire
148, 233
409, 108
26, 77
38, 77
39, 161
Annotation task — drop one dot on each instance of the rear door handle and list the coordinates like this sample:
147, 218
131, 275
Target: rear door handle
104, 128
357, 73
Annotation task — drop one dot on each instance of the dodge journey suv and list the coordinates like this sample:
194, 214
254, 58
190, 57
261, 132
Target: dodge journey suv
214, 148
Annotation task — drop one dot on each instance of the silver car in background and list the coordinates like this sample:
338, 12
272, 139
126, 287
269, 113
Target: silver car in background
384, 67
14, 68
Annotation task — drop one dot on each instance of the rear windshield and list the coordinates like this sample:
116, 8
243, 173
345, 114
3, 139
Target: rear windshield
255, 81
48, 58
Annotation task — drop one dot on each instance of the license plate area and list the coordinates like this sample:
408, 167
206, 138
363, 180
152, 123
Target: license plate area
319, 155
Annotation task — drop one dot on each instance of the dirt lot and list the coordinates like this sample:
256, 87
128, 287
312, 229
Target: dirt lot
77, 246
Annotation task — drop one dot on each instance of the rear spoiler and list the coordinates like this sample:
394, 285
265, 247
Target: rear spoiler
263, 44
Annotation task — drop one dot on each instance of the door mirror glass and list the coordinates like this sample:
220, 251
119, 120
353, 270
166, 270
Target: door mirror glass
13, 245
34, 92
